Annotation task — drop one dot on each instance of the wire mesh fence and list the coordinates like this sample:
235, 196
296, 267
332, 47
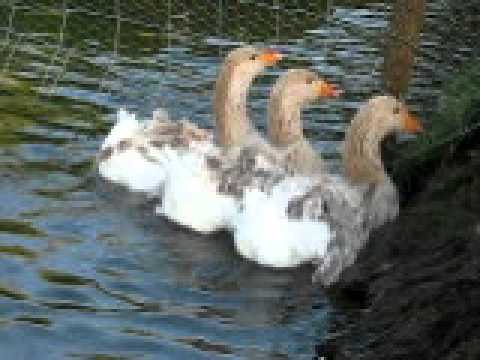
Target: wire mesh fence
164, 52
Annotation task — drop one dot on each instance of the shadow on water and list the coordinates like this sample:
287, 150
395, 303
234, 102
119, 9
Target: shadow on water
89, 272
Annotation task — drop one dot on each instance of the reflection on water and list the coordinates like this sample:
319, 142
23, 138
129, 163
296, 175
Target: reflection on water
87, 272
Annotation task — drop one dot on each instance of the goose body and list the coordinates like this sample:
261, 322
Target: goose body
222, 181
136, 152
323, 218
190, 194
167, 159
266, 234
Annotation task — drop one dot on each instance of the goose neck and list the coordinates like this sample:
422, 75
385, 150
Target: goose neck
230, 107
362, 151
284, 120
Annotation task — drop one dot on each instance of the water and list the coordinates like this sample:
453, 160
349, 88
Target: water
87, 272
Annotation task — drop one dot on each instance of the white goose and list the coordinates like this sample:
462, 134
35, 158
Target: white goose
326, 219
135, 154
167, 159
204, 193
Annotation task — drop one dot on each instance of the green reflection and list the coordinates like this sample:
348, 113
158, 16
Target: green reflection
19, 227
12, 293
36, 320
18, 250
21, 107
63, 278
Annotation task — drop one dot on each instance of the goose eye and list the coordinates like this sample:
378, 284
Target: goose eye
252, 57
309, 81
396, 110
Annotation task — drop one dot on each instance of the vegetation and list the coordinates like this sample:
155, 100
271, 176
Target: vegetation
455, 121
416, 283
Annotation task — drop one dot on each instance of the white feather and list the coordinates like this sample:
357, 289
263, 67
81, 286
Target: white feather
264, 233
190, 195
129, 168
126, 127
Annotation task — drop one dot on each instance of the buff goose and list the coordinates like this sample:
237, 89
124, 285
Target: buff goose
326, 219
137, 154
205, 194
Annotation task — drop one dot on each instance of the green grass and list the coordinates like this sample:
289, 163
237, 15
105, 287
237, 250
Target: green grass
458, 115
460, 100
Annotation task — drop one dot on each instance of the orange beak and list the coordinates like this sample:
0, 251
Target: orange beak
270, 57
324, 89
410, 123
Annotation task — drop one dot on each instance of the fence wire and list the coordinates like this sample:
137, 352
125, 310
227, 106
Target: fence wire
111, 52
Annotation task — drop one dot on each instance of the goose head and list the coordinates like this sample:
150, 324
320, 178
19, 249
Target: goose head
249, 61
239, 69
379, 117
292, 91
389, 115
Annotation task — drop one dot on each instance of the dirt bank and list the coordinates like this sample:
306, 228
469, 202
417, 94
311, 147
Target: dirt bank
414, 292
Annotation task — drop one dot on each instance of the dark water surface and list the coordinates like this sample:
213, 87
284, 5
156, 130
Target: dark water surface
91, 274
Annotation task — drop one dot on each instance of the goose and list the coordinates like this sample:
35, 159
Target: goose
136, 153
204, 193
326, 219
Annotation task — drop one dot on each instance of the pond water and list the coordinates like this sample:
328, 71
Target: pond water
86, 271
